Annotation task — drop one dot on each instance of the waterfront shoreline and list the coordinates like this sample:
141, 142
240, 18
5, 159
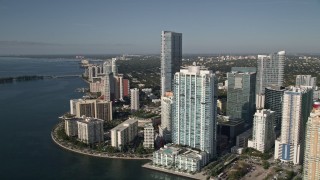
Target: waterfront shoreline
91, 153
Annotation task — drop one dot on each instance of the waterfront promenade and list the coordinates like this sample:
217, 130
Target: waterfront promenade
90, 152
192, 176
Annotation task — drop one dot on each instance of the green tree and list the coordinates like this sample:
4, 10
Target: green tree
265, 164
111, 149
140, 149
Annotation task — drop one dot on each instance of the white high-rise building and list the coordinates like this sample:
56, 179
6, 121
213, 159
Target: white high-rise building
107, 87
306, 80
114, 66
195, 109
269, 73
71, 126
148, 136
171, 57
108, 81
297, 103
124, 133
120, 87
166, 115
90, 130
263, 134
135, 105
311, 164
107, 67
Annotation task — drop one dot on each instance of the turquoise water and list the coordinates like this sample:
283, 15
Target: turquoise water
29, 110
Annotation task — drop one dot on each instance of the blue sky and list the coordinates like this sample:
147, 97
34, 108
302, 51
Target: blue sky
134, 26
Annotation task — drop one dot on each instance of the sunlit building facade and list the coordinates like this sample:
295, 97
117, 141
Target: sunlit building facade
194, 109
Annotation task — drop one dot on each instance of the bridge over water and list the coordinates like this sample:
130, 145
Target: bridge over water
35, 77
65, 76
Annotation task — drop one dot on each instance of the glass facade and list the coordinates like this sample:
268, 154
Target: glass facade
270, 71
273, 101
194, 109
171, 57
241, 95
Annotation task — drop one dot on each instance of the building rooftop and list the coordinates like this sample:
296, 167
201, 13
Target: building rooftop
247, 133
276, 87
297, 90
125, 124
148, 125
228, 121
198, 70
88, 120
173, 149
244, 69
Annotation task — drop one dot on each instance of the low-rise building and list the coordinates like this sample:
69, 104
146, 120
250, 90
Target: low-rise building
90, 130
148, 136
180, 158
237, 150
230, 127
124, 133
242, 139
222, 105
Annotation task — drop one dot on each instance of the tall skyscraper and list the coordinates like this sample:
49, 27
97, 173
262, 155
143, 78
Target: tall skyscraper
121, 87
195, 109
166, 116
135, 105
311, 165
306, 80
171, 57
273, 101
297, 103
241, 93
263, 134
108, 85
107, 67
114, 67
109, 89
125, 87
270, 71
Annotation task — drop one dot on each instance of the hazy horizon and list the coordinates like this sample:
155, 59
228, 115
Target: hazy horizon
47, 27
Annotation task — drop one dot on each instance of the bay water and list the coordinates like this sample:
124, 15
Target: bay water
29, 110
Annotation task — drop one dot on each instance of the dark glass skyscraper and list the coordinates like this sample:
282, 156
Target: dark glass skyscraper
273, 101
241, 93
171, 57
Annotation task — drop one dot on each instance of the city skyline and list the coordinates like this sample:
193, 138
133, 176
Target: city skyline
120, 27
